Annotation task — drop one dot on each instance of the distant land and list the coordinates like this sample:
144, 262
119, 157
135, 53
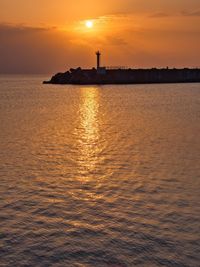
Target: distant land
122, 75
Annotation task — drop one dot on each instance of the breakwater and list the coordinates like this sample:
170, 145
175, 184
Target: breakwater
126, 76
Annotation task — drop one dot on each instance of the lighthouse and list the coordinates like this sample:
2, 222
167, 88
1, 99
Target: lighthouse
100, 70
98, 54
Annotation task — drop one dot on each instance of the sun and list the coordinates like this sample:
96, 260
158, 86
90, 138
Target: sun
89, 24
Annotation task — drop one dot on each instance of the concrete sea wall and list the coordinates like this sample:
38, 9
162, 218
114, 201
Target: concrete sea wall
126, 76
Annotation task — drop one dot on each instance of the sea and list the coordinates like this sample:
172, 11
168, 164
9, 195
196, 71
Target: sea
99, 176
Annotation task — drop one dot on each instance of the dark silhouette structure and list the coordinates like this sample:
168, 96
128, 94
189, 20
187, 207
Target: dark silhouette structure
98, 59
122, 75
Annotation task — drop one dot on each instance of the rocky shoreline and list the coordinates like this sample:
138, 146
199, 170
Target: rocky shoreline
125, 76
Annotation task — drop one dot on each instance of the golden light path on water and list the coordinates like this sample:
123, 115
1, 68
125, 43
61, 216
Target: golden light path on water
88, 129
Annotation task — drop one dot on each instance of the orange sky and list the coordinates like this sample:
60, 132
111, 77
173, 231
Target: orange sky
49, 36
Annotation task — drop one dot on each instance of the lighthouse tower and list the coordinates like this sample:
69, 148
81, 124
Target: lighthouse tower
100, 70
98, 54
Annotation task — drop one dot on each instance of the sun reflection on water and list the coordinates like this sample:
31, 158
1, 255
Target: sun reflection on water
88, 130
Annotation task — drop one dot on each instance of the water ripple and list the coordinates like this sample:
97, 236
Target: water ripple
99, 176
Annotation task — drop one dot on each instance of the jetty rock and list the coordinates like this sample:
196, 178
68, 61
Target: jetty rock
102, 75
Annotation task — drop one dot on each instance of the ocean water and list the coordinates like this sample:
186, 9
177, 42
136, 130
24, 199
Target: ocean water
99, 175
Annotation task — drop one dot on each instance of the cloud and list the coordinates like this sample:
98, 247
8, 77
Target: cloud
122, 39
159, 15
117, 41
6, 28
25, 49
195, 13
